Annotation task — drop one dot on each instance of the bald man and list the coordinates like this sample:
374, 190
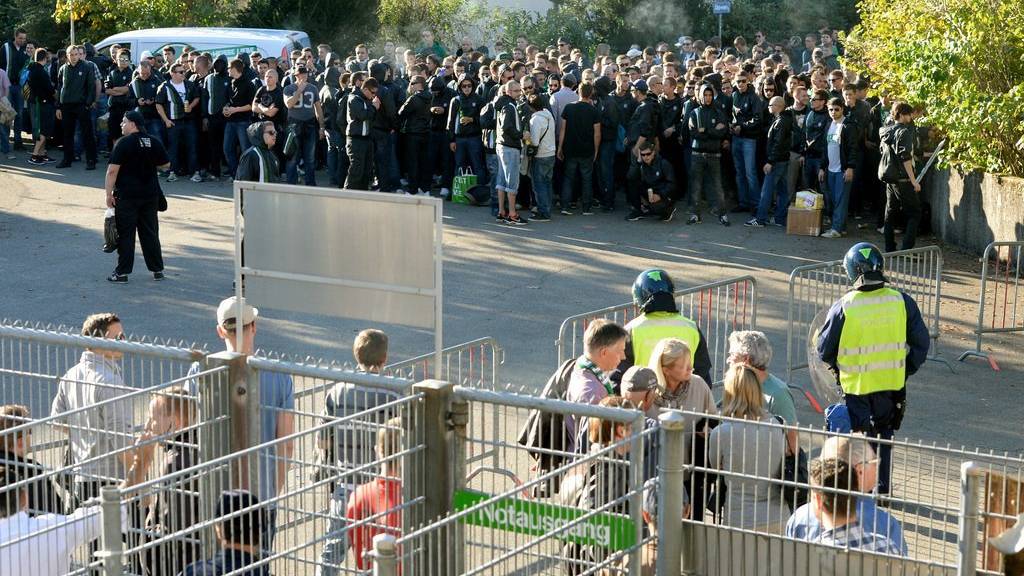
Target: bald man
780, 140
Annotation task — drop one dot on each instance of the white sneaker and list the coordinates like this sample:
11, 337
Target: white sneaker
197, 178
172, 177
445, 192
831, 234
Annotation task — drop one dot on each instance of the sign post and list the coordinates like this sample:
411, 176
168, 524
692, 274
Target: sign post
720, 8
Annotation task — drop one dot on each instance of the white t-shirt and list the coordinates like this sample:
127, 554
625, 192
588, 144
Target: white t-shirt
180, 88
835, 164
45, 543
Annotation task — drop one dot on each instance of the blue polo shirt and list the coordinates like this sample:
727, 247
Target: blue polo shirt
804, 525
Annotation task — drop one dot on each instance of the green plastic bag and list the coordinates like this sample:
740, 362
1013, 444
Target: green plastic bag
461, 184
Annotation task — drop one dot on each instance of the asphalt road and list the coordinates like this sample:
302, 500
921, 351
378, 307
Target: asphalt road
515, 284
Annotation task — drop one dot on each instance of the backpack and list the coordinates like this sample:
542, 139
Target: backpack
545, 431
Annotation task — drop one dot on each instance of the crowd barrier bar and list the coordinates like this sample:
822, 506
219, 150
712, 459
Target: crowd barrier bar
1004, 316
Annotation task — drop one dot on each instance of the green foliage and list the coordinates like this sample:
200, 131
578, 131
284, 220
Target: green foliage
97, 19
963, 60
403, 20
318, 18
36, 17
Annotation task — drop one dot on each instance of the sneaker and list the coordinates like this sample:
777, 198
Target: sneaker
898, 230
831, 234
516, 220
772, 222
541, 218
634, 215
753, 223
445, 192
172, 177
572, 205
36, 160
668, 217
11, 157
607, 209
158, 275
693, 219
118, 278
724, 220
587, 212
197, 178
63, 165
50, 160
90, 166
566, 213
501, 218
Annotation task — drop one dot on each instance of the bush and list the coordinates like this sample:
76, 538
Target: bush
963, 60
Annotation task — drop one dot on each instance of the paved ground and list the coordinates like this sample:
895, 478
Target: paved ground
515, 284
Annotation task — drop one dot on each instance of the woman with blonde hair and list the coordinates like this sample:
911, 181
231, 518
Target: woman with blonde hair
751, 444
680, 389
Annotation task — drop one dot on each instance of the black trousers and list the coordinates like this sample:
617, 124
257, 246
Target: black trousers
418, 170
117, 112
133, 215
78, 115
360, 158
900, 197
213, 139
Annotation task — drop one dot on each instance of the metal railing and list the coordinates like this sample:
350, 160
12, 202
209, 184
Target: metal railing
718, 308
1000, 298
474, 363
813, 289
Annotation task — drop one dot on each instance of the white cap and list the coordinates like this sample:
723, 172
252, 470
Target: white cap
145, 55
682, 40
634, 53
227, 312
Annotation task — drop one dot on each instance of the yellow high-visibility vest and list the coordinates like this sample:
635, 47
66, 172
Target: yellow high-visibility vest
873, 345
648, 329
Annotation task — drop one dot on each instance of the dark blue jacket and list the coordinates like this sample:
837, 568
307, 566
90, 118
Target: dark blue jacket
877, 407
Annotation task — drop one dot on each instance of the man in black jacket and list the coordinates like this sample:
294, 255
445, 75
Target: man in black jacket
238, 113
642, 128
259, 163
896, 169
384, 123
464, 127
41, 106
815, 138
746, 129
605, 104
707, 127
440, 156
177, 103
76, 95
13, 59
652, 180
117, 87
414, 116
362, 107
780, 141
143, 90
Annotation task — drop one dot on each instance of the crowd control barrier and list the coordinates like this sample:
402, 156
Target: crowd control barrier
1000, 300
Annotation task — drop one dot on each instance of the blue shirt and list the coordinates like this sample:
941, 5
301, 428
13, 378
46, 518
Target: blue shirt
804, 525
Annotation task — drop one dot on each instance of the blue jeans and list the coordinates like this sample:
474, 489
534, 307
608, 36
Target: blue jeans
183, 133
811, 168
332, 555
839, 198
18, 103
509, 161
775, 185
335, 152
235, 135
469, 153
744, 157
491, 160
585, 167
5, 144
306, 136
606, 172
155, 128
540, 174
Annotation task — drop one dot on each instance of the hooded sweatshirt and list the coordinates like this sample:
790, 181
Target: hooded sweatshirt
329, 98
464, 106
386, 118
747, 111
215, 89
704, 121
258, 163
414, 115
440, 96
896, 147
605, 103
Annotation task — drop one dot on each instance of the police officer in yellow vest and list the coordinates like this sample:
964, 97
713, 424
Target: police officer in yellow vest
873, 339
653, 295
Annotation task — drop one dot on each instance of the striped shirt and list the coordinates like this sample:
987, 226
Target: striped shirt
853, 536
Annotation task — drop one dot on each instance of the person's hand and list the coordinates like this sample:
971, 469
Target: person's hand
701, 130
848, 175
323, 133
111, 201
669, 132
466, 119
767, 168
228, 110
58, 115
721, 126
437, 110
653, 198
188, 107
821, 175
376, 102
452, 146
735, 129
560, 155
917, 186
169, 123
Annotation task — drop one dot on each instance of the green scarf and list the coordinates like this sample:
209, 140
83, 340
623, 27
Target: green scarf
586, 364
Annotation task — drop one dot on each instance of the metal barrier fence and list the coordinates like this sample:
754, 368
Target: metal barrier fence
718, 308
474, 363
1000, 299
815, 287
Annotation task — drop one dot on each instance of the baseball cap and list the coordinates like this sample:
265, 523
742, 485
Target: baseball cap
639, 379
146, 54
634, 53
227, 312
640, 85
682, 40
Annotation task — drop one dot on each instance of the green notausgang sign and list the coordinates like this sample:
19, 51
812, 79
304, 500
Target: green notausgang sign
612, 531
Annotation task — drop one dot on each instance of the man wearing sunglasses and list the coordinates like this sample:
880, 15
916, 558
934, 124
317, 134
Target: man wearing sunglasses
177, 103
652, 180
259, 163
117, 87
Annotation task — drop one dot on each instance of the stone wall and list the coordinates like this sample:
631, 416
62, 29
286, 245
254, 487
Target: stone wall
971, 210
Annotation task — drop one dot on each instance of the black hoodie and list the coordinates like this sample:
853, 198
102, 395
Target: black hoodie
463, 106
258, 163
414, 115
441, 96
386, 118
780, 137
704, 121
330, 98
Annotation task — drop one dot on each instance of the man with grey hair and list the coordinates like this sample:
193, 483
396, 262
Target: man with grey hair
751, 348
856, 451
776, 168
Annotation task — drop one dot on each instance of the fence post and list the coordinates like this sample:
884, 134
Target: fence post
967, 554
437, 451
670, 485
385, 555
110, 519
459, 421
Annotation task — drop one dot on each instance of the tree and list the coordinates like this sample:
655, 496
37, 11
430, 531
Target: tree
97, 19
448, 19
963, 60
318, 18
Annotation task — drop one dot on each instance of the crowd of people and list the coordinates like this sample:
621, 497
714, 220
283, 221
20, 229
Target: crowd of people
737, 453
545, 129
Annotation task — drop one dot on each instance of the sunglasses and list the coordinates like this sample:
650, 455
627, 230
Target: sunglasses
647, 154
831, 109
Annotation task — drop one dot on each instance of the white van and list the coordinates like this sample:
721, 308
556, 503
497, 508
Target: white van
217, 41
